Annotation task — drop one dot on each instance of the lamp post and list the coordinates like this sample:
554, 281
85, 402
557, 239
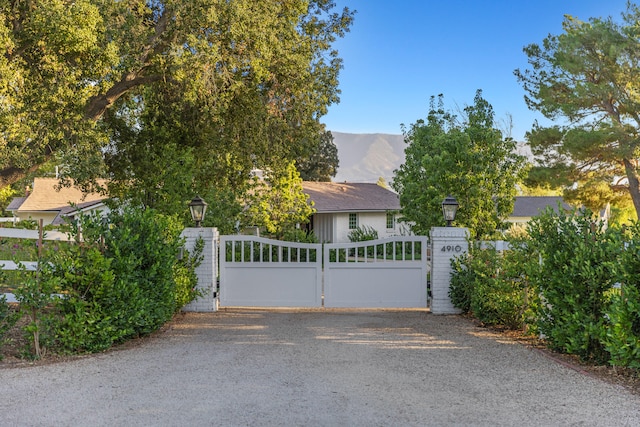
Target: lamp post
198, 208
449, 209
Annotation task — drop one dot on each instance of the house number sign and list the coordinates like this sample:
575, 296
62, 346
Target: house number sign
451, 248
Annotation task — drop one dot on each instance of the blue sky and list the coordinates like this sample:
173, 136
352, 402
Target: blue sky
398, 54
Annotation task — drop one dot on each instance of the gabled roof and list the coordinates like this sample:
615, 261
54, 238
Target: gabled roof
16, 203
72, 210
46, 196
330, 197
530, 206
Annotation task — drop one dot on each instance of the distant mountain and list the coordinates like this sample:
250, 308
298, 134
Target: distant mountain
368, 156
365, 157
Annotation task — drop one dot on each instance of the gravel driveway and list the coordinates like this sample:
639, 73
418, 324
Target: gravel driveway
323, 368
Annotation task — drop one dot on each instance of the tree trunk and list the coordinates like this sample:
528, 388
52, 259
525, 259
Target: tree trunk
12, 174
95, 108
97, 105
634, 183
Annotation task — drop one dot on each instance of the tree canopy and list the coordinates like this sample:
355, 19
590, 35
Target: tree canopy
278, 204
588, 78
119, 89
466, 158
320, 162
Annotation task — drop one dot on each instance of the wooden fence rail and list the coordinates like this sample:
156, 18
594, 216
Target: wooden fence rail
39, 236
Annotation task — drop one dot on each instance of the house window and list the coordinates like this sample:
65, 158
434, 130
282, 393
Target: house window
391, 221
353, 221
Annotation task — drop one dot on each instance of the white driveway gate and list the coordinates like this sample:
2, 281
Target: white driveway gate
385, 273
259, 272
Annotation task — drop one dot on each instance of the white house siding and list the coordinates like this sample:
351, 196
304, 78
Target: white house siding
323, 227
341, 232
377, 220
47, 217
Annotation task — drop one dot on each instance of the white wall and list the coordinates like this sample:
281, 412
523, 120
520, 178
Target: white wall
207, 271
323, 227
47, 217
334, 228
377, 220
446, 243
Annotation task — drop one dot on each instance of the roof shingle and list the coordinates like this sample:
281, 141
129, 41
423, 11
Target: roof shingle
350, 197
530, 206
45, 196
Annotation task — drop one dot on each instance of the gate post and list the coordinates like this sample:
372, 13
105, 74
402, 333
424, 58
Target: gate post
446, 243
207, 271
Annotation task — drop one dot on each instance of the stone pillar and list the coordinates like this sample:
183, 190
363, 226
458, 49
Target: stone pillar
446, 243
207, 271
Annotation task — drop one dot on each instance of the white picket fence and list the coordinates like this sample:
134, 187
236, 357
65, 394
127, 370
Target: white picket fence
17, 233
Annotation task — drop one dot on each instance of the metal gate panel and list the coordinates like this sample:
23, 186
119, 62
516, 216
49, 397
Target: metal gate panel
383, 273
259, 272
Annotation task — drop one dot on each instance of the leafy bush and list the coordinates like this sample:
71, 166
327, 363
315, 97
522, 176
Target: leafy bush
622, 335
362, 234
464, 274
297, 235
36, 295
490, 285
579, 264
142, 248
92, 305
122, 281
8, 319
184, 275
569, 278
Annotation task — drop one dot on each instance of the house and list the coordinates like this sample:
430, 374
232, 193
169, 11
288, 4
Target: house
52, 204
527, 207
343, 207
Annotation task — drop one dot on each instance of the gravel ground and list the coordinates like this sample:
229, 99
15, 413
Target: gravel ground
241, 367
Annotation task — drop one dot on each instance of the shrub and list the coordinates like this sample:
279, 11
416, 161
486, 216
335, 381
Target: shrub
184, 275
569, 278
490, 285
142, 247
362, 234
622, 335
467, 269
8, 319
92, 305
579, 264
297, 235
122, 281
36, 295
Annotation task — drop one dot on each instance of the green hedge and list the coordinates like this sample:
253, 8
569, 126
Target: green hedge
491, 286
571, 280
122, 281
8, 319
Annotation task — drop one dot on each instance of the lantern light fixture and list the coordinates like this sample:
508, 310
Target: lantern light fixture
449, 209
198, 208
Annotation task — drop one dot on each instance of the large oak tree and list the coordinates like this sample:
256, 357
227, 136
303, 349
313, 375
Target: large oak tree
229, 78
